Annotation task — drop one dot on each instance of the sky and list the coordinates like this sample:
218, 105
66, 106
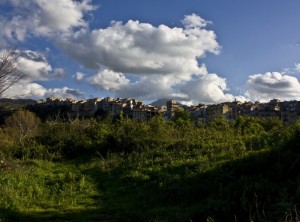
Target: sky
205, 51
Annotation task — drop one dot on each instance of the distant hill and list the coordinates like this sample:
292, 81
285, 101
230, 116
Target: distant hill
7, 106
15, 103
159, 102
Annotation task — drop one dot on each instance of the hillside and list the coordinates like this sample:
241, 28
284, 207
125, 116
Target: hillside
7, 106
88, 170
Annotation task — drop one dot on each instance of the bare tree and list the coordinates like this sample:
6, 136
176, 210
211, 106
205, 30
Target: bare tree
10, 72
22, 124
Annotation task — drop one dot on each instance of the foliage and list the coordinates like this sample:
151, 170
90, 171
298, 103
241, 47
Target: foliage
39, 185
22, 125
122, 170
50, 112
182, 118
74, 137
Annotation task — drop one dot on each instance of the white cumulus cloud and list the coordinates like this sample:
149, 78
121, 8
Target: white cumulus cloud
194, 21
142, 49
264, 87
43, 18
131, 59
162, 60
297, 67
64, 92
149, 88
209, 88
79, 76
37, 91
25, 90
35, 67
109, 80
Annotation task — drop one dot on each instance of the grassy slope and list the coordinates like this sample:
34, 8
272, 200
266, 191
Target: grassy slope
156, 185
178, 182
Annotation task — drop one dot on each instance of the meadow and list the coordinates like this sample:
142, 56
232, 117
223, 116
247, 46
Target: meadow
95, 169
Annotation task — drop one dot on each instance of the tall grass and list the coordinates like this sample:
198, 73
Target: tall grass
42, 185
83, 170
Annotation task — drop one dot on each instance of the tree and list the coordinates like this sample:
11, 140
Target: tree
220, 124
10, 72
182, 118
23, 124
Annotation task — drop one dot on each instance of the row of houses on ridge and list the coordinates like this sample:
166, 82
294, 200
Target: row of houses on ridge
288, 111
107, 106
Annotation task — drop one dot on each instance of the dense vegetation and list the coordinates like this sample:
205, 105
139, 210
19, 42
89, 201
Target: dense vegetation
121, 170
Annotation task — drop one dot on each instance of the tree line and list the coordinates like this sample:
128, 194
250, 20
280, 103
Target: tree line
69, 136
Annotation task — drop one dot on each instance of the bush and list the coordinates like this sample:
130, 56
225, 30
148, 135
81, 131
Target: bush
73, 138
22, 125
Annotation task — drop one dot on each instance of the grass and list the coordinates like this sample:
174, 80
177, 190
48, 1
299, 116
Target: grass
154, 185
37, 187
154, 171
119, 187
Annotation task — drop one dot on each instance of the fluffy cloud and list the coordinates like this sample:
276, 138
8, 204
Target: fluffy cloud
64, 92
43, 18
109, 80
264, 87
297, 67
162, 60
135, 59
79, 76
59, 73
51, 13
25, 90
194, 21
149, 88
37, 91
142, 49
207, 89
35, 67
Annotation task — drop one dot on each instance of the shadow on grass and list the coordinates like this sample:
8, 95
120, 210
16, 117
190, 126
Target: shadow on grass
264, 186
66, 215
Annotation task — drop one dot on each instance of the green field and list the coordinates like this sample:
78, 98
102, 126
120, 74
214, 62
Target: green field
121, 170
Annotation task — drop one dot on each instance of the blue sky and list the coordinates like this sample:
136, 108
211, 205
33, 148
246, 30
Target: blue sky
192, 51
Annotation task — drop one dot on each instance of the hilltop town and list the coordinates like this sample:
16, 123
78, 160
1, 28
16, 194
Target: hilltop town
287, 111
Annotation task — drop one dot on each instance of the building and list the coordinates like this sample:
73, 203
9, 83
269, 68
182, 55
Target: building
213, 112
104, 104
172, 106
290, 111
90, 107
144, 113
77, 107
